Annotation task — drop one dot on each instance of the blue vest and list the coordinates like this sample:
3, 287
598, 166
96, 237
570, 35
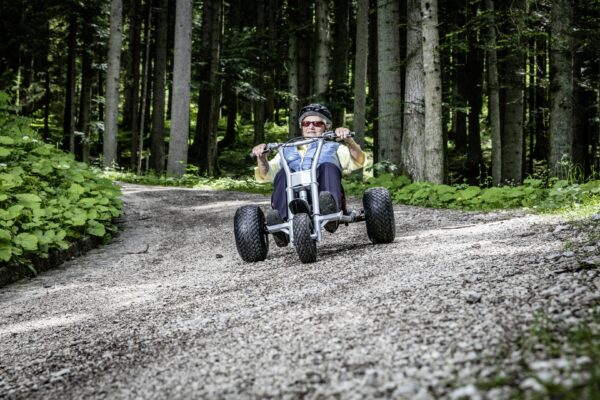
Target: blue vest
328, 155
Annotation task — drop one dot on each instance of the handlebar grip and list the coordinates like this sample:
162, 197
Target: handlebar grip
268, 148
330, 135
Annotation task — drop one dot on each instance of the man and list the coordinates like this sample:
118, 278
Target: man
335, 158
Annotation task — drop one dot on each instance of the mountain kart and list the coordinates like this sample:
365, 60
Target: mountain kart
305, 224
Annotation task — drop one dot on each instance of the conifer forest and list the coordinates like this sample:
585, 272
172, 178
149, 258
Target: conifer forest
476, 91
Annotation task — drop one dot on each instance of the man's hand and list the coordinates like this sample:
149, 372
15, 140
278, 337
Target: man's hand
261, 159
343, 134
355, 151
258, 152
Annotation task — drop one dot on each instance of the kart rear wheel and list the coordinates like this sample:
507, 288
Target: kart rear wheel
379, 215
306, 247
251, 237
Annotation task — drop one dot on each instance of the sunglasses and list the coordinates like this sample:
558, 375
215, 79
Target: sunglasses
316, 124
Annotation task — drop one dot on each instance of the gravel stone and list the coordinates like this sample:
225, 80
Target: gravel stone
469, 391
533, 385
169, 310
472, 297
561, 228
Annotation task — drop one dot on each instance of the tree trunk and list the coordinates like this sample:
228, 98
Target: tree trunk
85, 105
215, 84
230, 98
458, 102
199, 146
390, 88
131, 115
133, 68
47, 98
180, 112
372, 77
258, 105
321, 79
562, 89
304, 13
69, 116
144, 94
531, 102
474, 95
413, 155
434, 136
88, 38
340, 90
293, 70
360, 70
112, 84
494, 95
512, 129
157, 140
541, 129
272, 59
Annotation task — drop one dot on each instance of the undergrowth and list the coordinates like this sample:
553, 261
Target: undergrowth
535, 194
47, 199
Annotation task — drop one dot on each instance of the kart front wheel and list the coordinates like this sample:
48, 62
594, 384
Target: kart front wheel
251, 237
306, 247
379, 215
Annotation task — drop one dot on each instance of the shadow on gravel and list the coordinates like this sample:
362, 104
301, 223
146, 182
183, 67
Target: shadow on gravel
333, 249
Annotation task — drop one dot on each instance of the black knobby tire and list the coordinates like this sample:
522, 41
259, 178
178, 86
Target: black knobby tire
250, 234
379, 215
306, 247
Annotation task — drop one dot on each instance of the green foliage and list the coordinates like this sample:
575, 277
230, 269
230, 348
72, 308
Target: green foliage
193, 181
46, 198
535, 194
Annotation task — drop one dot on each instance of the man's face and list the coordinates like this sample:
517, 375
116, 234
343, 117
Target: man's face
312, 126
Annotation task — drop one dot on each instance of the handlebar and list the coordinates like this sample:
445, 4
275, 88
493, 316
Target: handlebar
300, 141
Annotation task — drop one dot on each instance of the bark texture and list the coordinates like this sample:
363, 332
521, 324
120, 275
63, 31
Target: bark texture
340, 90
258, 104
69, 114
180, 112
321, 79
390, 88
157, 140
413, 154
292, 68
494, 95
215, 84
112, 84
132, 85
514, 71
434, 136
360, 70
562, 121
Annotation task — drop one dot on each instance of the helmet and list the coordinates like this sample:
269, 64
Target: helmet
316, 110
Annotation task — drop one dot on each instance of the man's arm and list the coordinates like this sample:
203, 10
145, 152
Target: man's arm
356, 153
261, 160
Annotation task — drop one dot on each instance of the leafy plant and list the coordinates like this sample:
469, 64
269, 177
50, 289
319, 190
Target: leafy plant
47, 199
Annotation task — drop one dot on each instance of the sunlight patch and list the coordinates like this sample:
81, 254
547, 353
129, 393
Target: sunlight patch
45, 323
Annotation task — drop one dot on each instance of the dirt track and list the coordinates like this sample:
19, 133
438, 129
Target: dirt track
169, 310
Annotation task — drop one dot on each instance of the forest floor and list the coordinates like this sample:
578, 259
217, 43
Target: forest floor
169, 310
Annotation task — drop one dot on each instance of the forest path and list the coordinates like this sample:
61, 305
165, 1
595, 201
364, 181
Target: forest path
169, 310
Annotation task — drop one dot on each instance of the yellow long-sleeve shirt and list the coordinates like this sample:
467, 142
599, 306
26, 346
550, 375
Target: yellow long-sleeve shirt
346, 161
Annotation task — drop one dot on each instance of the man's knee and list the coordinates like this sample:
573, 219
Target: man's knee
329, 170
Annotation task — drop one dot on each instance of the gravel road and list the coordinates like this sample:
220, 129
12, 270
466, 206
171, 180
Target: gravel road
169, 310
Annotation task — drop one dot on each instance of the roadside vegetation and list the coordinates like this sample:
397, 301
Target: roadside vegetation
538, 193
47, 199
